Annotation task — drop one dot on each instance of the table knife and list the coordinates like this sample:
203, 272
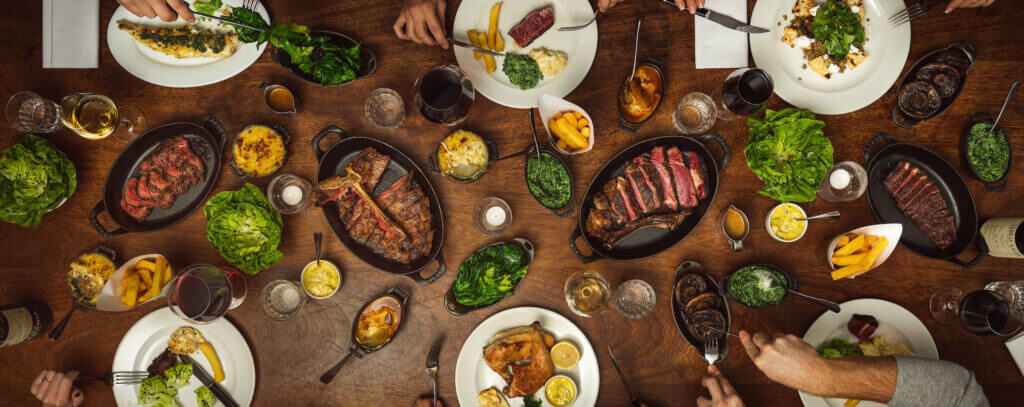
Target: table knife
724, 20
207, 381
474, 47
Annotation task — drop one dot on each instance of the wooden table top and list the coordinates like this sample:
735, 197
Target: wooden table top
662, 368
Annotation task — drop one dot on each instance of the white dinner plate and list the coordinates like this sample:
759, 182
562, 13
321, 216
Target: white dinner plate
887, 49
147, 339
165, 70
896, 323
580, 47
473, 376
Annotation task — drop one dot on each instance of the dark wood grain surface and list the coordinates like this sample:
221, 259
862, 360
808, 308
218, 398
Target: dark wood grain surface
291, 355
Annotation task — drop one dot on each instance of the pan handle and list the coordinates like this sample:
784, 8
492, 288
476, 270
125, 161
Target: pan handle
560, 215
323, 133
398, 293
94, 220
627, 126
441, 268
234, 170
57, 330
107, 252
576, 233
210, 123
451, 305
967, 49
432, 163
977, 259
329, 375
726, 152
980, 117
286, 137
874, 140
995, 186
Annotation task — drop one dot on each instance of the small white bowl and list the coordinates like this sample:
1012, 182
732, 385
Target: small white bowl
549, 106
890, 231
302, 279
110, 296
544, 390
768, 222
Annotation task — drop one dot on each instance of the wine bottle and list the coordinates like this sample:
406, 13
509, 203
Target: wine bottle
1004, 237
23, 321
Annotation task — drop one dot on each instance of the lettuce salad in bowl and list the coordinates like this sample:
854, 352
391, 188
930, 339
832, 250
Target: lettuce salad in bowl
244, 229
789, 152
35, 178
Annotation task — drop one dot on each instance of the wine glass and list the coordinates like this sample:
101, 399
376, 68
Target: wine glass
95, 117
745, 91
587, 293
444, 95
203, 293
981, 312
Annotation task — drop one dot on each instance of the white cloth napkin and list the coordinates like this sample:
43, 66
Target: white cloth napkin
716, 46
1016, 347
71, 33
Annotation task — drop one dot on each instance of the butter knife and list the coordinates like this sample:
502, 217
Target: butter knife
207, 381
724, 20
474, 47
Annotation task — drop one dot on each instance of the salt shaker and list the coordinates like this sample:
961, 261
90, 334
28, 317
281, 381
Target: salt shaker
846, 181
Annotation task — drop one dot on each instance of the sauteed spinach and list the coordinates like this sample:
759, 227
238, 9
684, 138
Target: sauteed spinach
988, 153
489, 275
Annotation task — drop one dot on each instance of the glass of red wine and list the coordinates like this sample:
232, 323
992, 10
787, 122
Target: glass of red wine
746, 91
203, 293
982, 312
444, 95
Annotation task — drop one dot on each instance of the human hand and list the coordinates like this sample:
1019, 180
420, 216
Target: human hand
787, 360
54, 389
167, 10
722, 393
425, 402
422, 21
955, 4
690, 5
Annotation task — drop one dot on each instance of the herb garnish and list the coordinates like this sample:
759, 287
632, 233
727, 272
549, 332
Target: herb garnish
988, 152
748, 286
836, 27
522, 71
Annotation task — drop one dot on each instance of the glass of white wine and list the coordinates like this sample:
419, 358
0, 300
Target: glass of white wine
587, 293
95, 117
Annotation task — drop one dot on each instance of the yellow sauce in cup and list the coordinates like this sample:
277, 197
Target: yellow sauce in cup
321, 280
560, 391
783, 222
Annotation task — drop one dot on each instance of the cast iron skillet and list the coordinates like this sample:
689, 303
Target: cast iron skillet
457, 309
999, 184
285, 139
359, 350
688, 267
333, 162
905, 121
369, 65
566, 209
951, 186
629, 125
78, 303
649, 241
723, 284
206, 140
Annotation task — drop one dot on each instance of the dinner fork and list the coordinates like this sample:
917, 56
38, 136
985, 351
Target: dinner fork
119, 378
250, 4
581, 26
912, 12
432, 365
711, 348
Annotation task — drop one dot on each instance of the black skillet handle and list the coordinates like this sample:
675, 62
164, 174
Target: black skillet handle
57, 330
995, 186
329, 375
980, 242
213, 126
560, 215
432, 163
371, 61
980, 117
902, 120
874, 140
401, 295
726, 152
234, 170
627, 126
94, 220
687, 267
452, 306
967, 49
286, 137
441, 268
106, 251
576, 233
323, 133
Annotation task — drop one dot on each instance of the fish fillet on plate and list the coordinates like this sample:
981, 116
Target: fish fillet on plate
187, 41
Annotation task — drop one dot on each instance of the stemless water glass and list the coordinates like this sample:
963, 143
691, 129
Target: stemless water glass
203, 293
695, 114
587, 293
981, 312
95, 117
444, 95
28, 112
746, 91
634, 299
384, 108
1012, 291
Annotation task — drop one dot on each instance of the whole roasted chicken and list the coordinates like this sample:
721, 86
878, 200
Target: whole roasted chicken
522, 357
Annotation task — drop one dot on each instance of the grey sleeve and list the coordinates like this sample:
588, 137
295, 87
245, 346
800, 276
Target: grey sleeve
933, 382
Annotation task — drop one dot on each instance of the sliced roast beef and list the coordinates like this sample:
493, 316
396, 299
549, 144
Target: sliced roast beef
681, 177
921, 201
138, 212
620, 198
698, 173
370, 165
642, 192
650, 177
532, 26
668, 190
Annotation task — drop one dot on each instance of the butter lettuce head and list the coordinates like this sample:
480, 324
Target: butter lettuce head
35, 178
244, 229
789, 152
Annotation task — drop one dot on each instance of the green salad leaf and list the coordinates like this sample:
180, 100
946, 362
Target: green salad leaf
244, 228
988, 153
207, 6
35, 177
789, 152
837, 348
489, 275
837, 27
205, 397
522, 71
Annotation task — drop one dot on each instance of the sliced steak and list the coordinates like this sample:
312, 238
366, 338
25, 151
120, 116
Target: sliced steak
921, 201
642, 192
138, 212
370, 165
681, 177
532, 26
661, 167
652, 180
698, 173
617, 192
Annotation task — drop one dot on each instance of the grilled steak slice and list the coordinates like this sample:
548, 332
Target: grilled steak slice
642, 192
921, 201
370, 165
652, 179
904, 194
668, 221
138, 212
698, 173
657, 160
681, 177
532, 26
617, 191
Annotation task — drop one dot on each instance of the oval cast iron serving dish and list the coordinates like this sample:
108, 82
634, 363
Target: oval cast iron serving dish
285, 139
457, 309
723, 284
688, 267
999, 184
903, 120
358, 349
369, 60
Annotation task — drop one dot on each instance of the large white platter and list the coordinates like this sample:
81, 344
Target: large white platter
147, 339
473, 376
581, 47
887, 49
896, 323
165, 70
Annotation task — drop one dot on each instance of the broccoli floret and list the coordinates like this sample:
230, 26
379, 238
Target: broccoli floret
204, 397
178, 375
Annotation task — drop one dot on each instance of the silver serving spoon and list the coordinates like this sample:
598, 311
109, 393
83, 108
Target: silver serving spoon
1013, 88
636, 50
318, 239
826, 215
536, 145
773, 281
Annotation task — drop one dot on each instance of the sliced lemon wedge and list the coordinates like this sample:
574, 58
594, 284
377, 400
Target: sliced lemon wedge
565, 355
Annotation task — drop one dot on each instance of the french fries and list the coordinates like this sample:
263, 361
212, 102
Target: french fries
494, 41
858, 255
489, 39
145, 281
571, 129
211, 356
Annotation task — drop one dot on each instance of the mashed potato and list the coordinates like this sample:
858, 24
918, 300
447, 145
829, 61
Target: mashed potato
550, 62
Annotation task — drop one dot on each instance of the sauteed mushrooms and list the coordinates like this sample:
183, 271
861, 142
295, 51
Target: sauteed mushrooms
689, 287
919, 100
944, 76
702, 322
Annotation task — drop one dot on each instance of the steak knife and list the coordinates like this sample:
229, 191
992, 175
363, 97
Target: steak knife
207, 381
724, 20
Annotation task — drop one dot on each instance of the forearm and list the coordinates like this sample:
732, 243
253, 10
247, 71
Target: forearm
862, 378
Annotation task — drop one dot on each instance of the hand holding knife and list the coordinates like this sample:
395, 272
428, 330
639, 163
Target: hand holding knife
724, 20
207, 381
